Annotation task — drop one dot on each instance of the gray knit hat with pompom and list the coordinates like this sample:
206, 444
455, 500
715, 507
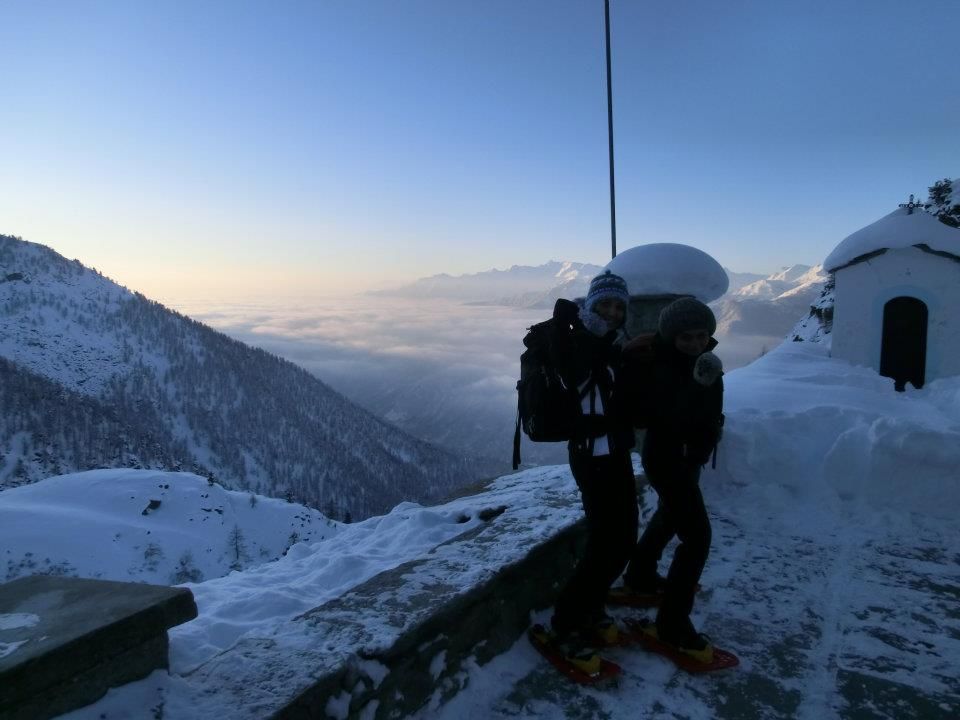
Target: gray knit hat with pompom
684, 315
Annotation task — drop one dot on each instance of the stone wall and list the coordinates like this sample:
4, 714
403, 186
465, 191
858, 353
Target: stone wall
428, 661
408, 636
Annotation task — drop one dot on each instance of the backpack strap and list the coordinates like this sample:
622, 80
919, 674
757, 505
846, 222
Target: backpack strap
516, 439
591, 441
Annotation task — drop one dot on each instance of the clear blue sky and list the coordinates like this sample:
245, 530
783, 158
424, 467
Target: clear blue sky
329, 145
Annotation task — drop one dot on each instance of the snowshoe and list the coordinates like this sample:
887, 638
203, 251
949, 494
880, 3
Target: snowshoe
578, 662
606, 633
695, 656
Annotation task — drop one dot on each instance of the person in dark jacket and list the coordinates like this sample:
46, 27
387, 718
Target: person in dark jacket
681, 397
586, 353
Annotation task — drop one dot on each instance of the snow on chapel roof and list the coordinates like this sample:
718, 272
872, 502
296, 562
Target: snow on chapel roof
670, 269
896, 230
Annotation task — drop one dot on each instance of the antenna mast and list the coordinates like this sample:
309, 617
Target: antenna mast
613, 202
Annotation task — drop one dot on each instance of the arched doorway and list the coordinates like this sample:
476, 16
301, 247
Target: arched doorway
903, 349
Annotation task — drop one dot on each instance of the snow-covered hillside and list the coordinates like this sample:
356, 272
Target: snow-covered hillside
146, 526
833, 571
186, 392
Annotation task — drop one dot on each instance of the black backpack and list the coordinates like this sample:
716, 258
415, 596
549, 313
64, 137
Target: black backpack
547, 410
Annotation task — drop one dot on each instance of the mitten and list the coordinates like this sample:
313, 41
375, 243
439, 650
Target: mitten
565, 311
707, 369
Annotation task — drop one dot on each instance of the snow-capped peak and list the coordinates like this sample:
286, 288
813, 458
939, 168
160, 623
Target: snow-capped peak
789, 282
790, 273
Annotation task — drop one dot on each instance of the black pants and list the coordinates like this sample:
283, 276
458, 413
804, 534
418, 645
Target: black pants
681, 513
609, 496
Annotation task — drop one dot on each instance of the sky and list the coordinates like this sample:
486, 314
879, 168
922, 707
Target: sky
240, 149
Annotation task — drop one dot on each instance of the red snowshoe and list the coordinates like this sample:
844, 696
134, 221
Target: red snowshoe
699, 660
583, 665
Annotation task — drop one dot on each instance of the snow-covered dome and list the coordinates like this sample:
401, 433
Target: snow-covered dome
670, 269
896, 230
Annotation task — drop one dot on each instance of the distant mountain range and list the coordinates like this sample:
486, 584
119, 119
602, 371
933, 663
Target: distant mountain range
754, 304
769, 306
519, 286
790, 281
93, 375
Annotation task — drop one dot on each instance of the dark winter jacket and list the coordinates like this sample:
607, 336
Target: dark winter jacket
593, 365
682, 417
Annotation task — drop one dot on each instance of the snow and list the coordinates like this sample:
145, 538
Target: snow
896, 230
816, 327
827, 429
670, 269
106, 529
796, 280
8, 648
833, 569
45, 336
11, 621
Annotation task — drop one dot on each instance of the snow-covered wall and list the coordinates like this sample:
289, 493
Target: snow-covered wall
864, 288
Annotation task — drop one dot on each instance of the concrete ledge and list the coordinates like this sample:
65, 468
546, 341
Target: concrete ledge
406, 637
65, 641
427, 658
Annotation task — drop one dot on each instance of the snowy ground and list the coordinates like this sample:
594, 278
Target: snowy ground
835, 565
851, 621
834, 574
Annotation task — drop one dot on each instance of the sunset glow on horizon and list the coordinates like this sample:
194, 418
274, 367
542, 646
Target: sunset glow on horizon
325, 148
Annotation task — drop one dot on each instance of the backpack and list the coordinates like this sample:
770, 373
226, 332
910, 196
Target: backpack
547, 410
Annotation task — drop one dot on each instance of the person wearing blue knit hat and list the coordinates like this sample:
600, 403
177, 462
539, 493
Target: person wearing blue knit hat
586, 352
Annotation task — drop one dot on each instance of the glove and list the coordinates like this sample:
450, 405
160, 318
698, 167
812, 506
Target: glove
707, 369
566, 311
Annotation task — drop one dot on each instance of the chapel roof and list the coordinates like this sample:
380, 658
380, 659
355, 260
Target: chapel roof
899, 229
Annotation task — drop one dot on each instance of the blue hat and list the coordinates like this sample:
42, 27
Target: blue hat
606, 285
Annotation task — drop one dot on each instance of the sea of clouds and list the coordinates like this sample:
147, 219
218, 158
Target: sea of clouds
443, 371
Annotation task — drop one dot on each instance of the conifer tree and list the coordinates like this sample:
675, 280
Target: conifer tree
237, 549
944, 202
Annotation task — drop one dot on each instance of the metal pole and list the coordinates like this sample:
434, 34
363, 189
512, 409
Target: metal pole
613, 201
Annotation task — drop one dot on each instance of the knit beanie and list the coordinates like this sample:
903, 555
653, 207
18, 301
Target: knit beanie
684, 315
606, 285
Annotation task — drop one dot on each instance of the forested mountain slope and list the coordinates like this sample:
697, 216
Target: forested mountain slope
144, 385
